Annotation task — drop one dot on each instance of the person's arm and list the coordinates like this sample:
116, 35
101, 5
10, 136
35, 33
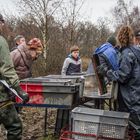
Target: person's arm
126, 66
104, 65
6, 66
65, 66
8, 72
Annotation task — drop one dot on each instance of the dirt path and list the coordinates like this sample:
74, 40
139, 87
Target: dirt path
33, 123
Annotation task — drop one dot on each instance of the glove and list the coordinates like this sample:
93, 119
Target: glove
112, 75
22, 94
102, 69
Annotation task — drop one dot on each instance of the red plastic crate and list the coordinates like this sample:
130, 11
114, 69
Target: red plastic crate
45, 93
67, 135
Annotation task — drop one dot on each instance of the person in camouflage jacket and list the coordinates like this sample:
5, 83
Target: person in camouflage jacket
8, 115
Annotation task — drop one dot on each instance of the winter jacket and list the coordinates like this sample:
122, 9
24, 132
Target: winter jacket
7, 71
128, 77
71, 66
22, 61
110, 55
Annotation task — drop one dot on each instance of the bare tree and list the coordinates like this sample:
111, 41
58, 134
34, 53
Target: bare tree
40, 12
126, 13
69, 20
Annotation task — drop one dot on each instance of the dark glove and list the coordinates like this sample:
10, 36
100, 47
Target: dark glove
101, 69
112, 75
22, 94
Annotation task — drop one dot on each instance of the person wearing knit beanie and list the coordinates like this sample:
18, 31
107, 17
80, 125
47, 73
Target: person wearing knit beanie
112, 40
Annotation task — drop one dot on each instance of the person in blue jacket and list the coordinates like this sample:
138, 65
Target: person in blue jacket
108, 55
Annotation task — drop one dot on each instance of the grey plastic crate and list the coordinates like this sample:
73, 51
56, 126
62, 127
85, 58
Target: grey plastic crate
104, 123
49, 91
75, 79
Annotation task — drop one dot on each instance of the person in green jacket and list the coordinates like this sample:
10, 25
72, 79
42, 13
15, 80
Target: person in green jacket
8, 114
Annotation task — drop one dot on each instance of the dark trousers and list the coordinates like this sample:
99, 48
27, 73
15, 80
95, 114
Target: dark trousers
135, 125
9, 118
134, 120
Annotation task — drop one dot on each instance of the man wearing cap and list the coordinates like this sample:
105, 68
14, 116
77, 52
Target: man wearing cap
8, 115
19, 40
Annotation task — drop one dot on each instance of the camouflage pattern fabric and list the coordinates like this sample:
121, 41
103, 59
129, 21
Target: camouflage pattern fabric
7, 71
8, 115
9, 118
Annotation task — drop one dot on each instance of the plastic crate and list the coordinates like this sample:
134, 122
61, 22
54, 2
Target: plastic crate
87, 82
75, 79
103, 123
44, 91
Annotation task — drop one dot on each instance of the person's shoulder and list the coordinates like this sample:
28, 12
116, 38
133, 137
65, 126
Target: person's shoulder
125, 50
68, 59
14, 52
128, 53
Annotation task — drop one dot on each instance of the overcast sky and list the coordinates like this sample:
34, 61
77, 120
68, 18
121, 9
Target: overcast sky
91, 10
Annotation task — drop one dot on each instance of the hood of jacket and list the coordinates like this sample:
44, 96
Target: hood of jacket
108, 50
70, 56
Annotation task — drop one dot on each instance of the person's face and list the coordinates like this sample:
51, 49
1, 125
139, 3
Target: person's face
137, 40
21, 41
75, 54
1, 25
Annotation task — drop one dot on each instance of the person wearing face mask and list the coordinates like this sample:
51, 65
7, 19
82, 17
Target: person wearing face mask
72, 63
24, 56
8, 114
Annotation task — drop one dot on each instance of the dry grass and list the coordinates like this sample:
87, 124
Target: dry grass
85, 62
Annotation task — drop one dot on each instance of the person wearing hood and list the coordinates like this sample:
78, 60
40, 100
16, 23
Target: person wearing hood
128, 77
72, 63
108, 55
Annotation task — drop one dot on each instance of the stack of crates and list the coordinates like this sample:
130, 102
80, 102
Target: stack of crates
102, 123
